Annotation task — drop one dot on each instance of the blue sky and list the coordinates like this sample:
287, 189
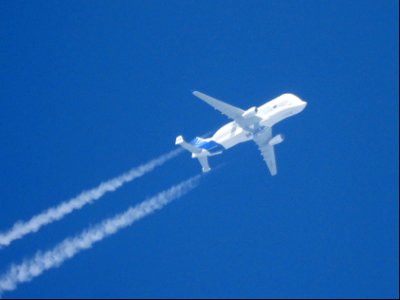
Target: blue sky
91, 89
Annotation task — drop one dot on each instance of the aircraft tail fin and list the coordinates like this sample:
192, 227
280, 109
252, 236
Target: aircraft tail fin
196, 152
189, 147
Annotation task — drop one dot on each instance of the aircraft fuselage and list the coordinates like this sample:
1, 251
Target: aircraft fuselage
269, 113
254, 124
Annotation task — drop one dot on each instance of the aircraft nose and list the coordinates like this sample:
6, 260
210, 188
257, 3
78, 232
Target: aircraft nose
302, 105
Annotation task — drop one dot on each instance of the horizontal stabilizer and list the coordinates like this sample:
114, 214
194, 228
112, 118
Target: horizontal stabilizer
196, 152
181, 142
204, 163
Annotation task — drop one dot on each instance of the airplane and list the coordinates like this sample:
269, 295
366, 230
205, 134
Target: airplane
254, 124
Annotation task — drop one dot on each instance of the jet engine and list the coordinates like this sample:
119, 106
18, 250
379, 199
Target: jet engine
276, 140
251, 112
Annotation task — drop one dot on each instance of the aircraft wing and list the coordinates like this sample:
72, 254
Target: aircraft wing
267, 151
230, 111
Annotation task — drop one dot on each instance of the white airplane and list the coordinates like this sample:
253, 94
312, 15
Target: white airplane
252, 124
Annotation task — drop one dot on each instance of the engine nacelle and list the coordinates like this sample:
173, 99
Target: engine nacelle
251, 112
276, 140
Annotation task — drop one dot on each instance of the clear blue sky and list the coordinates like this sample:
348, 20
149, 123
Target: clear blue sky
91, 89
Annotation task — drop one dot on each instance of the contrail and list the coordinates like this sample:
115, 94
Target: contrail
67, 249
22, 228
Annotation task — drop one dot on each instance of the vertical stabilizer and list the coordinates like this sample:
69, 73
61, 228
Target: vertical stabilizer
198, 153
189, 147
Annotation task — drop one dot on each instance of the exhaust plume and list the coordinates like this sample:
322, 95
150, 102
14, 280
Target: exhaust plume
22, 228
67, 249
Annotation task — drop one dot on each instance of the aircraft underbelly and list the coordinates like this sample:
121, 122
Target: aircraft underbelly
275, 117
255, 124
231, 140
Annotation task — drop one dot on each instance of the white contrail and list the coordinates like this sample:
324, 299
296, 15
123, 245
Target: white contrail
50, 215
42, 261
